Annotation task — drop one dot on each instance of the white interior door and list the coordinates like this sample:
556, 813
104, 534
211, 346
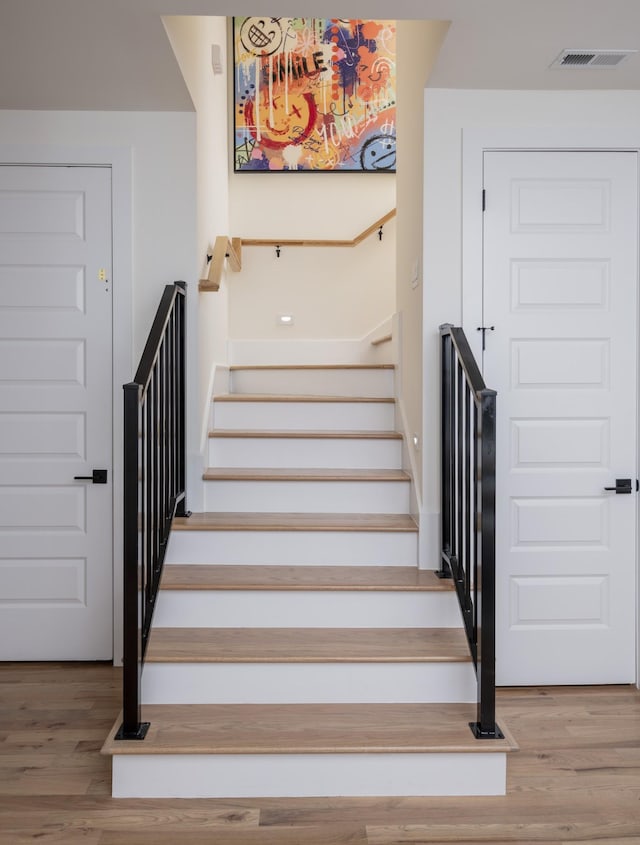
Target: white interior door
560, 288
55, 413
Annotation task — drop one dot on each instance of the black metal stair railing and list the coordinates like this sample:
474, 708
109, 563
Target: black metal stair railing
154, 485
468, 510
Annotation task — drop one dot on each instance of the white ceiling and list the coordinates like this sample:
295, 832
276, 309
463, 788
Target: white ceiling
114, 54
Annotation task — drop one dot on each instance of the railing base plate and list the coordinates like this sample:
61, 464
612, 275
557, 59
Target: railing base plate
496, 733
140, 733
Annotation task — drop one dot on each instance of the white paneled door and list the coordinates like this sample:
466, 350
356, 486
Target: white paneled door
560, 290
55, 413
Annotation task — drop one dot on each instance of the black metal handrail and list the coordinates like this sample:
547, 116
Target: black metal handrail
468, 510
154, 486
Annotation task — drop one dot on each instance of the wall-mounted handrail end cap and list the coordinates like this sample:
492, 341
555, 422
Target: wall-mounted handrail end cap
206, 285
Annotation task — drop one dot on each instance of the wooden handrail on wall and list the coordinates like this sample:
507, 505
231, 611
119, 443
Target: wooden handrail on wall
232, 249
375, 227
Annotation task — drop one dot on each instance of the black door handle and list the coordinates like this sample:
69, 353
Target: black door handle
623, 485
99, 476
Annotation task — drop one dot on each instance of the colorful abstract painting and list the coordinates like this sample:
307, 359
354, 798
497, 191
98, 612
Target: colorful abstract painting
314, 94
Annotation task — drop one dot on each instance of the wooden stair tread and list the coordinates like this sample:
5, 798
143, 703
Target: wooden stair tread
362, 578
223, 521
307, 645
308, 729
292, 397
324, 434
269, 367
279, 474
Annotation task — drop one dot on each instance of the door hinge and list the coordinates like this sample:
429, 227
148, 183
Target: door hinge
484, 199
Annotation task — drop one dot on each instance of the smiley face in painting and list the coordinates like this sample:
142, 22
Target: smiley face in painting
379, 153
261, 36
283, 123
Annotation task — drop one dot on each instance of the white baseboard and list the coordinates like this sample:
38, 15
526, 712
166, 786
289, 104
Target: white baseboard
317, 351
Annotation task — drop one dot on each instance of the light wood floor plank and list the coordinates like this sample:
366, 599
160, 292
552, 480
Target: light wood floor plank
576, 744
232, 577
307, 645
222, 521
325, 835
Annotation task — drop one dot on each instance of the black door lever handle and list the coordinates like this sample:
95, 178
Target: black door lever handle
98, 476
623, 485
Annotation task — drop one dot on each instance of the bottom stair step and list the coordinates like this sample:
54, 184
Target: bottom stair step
226, 751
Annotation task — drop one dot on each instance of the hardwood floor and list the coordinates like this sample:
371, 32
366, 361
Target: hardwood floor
576, 778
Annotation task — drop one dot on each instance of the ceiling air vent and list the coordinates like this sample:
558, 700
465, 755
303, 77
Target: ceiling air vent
591, 58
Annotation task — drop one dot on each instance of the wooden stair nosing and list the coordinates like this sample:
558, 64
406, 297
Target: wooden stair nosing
301, 434
304, 474
270, 367
293, 397
314, 578
307, 645
227, 521
308, 729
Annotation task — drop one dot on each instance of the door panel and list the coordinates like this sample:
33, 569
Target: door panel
560, 287
55, 413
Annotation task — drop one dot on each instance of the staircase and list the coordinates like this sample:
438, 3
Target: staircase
297, 649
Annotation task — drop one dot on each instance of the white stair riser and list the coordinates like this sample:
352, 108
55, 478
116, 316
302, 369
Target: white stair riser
303, 452
307, 683
374, 383
279, 416
305, 609
307, 775
307, 496
294, 548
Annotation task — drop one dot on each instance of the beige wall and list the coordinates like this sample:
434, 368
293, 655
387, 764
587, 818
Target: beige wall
418, 46
332, 293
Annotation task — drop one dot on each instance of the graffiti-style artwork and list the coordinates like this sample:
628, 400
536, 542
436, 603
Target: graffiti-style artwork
314, 94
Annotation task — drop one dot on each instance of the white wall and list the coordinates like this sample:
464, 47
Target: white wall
162, 150
192, 39
418, 46
448, 114
152, 158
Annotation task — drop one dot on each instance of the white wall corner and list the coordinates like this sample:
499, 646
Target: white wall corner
218, 382
195, 484
409, 457
429, 546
